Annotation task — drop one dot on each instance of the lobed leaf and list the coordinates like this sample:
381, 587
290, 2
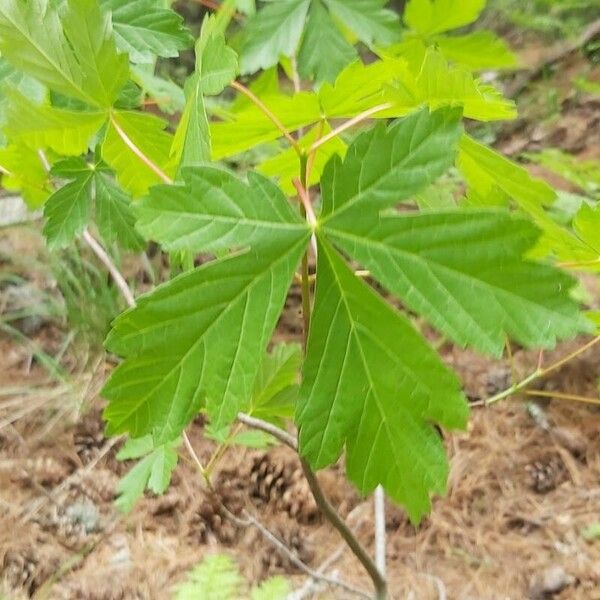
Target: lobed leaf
154, 471
495, 179
466, 272
216, 67
272, 32
213, 210
276, 386
387, 165
214, 320
23, 171
477, 50
438, 84
250, 126
73, 53
194, 342
146, 29
364, 389
368, 19
324, 51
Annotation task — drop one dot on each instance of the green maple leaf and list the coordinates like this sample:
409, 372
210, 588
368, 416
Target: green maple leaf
146, 29
496, 180
154, 471
428, 17
477, 50
380, 412
375, 396
72, 52
438, 84
69, 209
220, 316
587, 227
416, 151
276, 386
368, 19
371, 383
250, 126
272, 32
475, 261
310, 27
324, 51
388, 82
215, 211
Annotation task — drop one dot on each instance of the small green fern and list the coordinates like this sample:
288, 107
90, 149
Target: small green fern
217, 577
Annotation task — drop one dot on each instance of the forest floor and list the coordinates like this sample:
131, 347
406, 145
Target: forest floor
517, 521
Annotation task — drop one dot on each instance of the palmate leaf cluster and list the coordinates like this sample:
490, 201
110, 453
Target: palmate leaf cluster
75, 75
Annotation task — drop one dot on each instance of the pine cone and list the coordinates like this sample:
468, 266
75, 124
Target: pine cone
273, 560
19, 568
206, 520
24, 568
99, 486
231, 487
546, 474
279, 481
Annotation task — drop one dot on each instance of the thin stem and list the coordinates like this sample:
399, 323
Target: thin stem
131, 145
569, 357
311, 157
334, 518
283, 436
269, 114
105, 259
249, 520
562, 396
215, 459
537, 374
324, 505
513, 389
348, 124
295, 77
304, 198
379, 517
306, 209
193, 455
